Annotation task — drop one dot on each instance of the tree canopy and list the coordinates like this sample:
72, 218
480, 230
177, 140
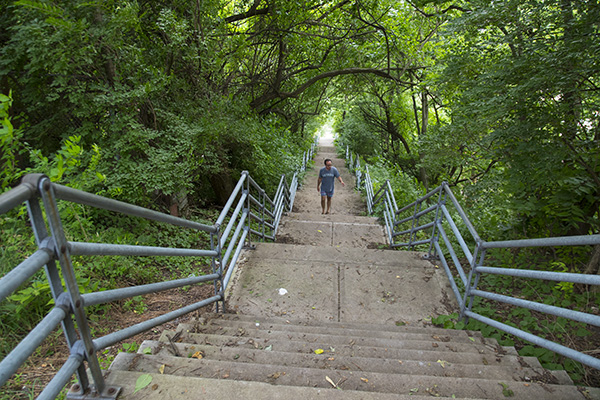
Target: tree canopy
170, 99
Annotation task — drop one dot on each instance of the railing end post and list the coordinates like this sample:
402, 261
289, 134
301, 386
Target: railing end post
32, 181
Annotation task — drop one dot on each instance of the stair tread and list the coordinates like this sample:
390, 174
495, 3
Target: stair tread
332, 360
233, 328
361, 380
289, 324
339, 253
427, 354
319, 341
171, 386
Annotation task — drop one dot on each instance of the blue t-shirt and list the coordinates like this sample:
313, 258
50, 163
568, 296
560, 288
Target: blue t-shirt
328, 178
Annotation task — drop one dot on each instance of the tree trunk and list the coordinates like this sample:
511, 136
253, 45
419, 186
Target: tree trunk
424, 125
222, 184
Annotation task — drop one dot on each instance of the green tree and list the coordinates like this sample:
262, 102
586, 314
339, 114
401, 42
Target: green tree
521, 82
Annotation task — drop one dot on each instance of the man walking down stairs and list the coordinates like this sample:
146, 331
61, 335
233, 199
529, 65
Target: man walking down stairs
326, 312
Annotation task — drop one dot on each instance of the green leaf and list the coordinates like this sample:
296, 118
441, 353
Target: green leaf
142, 382
582, 332
505, 390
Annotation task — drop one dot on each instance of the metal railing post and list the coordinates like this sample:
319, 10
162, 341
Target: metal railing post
437, 219
215, 245
40, 233
262, 215
68, 273
472, 283
414, 224
389, 186
247, 211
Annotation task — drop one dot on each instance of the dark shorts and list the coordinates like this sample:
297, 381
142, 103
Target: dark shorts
328, 194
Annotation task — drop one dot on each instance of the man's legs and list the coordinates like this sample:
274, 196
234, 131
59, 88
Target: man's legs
323, 204
328, 204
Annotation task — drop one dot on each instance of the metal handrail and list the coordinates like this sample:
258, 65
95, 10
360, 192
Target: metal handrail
228, 236
440, 214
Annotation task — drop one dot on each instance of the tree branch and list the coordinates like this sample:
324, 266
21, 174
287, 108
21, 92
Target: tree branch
252, 12
428, 15
273, 94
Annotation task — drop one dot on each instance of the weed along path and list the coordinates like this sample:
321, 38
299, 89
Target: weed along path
336, 267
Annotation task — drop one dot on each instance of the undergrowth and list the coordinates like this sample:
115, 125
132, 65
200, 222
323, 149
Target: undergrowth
22, 310
577, 335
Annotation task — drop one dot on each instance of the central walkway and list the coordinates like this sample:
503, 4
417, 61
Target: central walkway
336, 267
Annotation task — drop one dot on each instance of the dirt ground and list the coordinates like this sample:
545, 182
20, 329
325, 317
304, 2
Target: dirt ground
41, 367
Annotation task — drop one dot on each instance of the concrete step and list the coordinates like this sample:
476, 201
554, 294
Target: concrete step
326, 233
412, 350
333, 361
339, 284
311, 323
178, 387
240, 328
266, 338
333, 218
347, 255
361, 381
429, 354
248, 323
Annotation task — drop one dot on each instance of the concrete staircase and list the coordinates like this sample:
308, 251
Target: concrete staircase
326, 313
283, 358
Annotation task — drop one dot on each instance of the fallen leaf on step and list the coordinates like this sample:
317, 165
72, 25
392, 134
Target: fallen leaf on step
320, 231
328, 379
142, 382
319, 351
269, 348
275, 375
435, 345
162, 369
331, 359
364, 380
199, 355
442, 363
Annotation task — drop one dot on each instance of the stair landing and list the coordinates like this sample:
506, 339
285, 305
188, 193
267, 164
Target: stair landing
340, 284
